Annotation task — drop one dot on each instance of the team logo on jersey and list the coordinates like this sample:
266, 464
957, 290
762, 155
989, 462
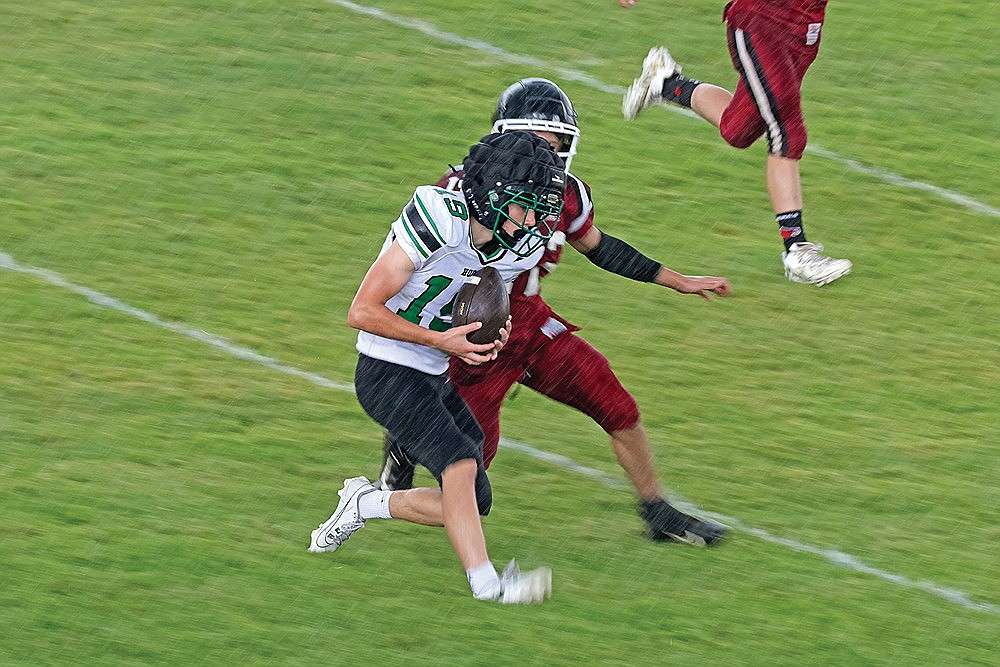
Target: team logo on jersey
812, 35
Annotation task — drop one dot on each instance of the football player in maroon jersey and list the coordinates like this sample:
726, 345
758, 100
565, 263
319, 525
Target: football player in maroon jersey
772, 43
544, 353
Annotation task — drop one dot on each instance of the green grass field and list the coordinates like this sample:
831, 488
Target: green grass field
229, 170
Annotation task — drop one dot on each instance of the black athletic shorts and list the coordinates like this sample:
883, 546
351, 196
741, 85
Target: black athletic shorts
426, 417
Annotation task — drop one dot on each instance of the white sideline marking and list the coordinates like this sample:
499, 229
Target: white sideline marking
575, 75
9, 263
832, 555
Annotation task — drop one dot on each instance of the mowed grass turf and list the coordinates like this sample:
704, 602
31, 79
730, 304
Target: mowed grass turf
234, 167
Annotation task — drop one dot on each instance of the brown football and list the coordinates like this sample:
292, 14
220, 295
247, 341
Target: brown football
482, 299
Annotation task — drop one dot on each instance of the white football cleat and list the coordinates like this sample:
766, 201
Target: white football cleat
345, 520
518, 587
647, 90
804, 264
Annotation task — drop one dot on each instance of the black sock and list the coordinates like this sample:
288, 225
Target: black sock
679, 89
790, 228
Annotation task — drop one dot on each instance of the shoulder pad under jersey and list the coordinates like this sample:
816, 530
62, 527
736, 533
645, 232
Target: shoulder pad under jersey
433, 219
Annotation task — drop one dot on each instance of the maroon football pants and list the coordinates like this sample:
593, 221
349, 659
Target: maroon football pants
771, 60
567, 369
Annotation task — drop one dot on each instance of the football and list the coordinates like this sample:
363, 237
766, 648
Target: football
482, 299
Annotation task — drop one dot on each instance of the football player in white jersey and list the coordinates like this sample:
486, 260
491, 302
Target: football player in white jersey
502, 217
545, 353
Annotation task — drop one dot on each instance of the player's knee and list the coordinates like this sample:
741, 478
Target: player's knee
463, 451
621, 416
737, 140
615, 409
740, 135
792, 143
795, 148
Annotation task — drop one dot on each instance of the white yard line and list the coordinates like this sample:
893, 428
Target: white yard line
834, 556
9, 263
566, 74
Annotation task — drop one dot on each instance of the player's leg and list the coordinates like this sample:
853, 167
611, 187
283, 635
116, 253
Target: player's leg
784, 188
573, 372
411, 405
406, 402
661, 82
461, 520
434, 428
484, 393
425, 505
631, 447
710, 102
397, 468
772, 63
466, 497
768, 92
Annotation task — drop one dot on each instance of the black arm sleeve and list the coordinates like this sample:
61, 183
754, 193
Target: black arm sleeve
619, 257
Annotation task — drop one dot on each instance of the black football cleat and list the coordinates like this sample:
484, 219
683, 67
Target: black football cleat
397, 468
666, 523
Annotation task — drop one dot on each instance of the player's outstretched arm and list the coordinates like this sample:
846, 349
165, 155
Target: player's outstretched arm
703, 286
617, 256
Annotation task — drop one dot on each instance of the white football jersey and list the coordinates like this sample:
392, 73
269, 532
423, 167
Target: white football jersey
434, 231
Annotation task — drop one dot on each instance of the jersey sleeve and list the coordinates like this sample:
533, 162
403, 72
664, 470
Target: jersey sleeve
578, 209
432, 220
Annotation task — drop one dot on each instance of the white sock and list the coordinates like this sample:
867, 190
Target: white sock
374, 505
484, 581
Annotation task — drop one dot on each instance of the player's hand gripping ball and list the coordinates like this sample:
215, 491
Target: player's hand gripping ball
483, 299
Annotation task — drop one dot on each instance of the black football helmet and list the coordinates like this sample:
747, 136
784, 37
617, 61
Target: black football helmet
515, 168
539, 104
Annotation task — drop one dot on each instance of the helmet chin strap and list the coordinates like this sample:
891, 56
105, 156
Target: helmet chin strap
510, 239
502, 235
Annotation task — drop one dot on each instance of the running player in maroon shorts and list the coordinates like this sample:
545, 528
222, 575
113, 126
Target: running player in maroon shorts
772, 43
544, 353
